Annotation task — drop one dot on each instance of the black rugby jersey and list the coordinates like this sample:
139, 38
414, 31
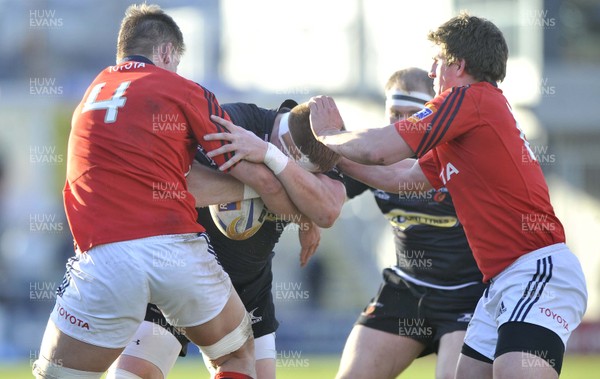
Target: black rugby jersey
431, 245
244, 260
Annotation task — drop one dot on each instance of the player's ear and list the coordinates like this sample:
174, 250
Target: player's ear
461, 67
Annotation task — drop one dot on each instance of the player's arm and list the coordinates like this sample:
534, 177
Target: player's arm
209, 186
318, 197
380, 146
387, 178
270, 189
257, 176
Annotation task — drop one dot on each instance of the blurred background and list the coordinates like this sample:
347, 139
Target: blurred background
263, 52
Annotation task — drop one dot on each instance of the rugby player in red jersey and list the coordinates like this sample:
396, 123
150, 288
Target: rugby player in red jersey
248, 262
132, 142
468, 140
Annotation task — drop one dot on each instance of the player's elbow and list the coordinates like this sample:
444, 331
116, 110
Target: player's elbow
330, 209
328, 218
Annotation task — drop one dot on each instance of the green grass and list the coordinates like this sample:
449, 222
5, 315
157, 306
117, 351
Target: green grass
323, 367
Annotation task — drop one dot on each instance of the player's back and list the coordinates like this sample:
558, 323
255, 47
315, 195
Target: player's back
131, 144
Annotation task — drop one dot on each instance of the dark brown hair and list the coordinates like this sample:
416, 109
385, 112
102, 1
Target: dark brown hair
476, 40
144, 28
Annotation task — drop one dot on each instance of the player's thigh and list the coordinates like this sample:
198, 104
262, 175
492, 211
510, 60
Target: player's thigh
472, 368
65, 351
448, 353
371, 353
187, 283
523, 365
477, 353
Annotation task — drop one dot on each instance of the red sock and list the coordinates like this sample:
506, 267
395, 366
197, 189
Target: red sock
231, 375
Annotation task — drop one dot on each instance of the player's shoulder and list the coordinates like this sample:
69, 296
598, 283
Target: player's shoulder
251, 117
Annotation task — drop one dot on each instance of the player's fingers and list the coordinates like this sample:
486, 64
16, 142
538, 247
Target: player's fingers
222, 150
316, 102
218, 136
309, 253
221, 121
330, 102
235, 159
303, 256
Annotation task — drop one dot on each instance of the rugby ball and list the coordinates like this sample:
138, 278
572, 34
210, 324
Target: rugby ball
239, 220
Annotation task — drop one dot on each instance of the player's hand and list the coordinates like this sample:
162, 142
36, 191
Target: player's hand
325, 117
309, 235
245, 144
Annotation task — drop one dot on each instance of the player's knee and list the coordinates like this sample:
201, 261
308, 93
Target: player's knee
44, 369
238, 343
152, 354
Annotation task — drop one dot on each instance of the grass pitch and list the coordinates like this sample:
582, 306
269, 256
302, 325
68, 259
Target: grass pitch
323, 367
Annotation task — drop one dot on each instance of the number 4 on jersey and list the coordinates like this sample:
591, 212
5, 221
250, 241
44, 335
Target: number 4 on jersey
111, 105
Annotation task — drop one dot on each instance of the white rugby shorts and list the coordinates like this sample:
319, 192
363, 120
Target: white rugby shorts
103, 298
545, 287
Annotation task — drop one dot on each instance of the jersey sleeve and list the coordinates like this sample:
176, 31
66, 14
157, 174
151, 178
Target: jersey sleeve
430, 166
251, 117
201, 105
444, 118
335, 174
354, 187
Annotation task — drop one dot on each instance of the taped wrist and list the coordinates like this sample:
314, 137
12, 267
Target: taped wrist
275, 160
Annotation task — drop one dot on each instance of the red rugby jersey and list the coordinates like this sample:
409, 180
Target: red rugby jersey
480, 154
132, 141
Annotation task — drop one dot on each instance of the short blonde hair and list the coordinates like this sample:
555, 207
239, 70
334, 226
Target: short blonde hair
144, 28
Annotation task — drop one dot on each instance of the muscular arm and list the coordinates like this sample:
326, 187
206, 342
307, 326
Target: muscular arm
214, 187
210, 186
387, 178
272, 192
382, 146
317, 196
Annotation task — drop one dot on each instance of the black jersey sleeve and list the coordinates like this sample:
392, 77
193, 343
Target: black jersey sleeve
354, 187
335, 174
251, 117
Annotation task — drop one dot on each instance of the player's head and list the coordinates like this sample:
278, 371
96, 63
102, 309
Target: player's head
147, 30
312, 154
474, 44
406, 93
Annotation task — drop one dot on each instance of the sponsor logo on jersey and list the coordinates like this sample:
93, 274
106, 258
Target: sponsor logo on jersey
422, 114
447, 172
402, 219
